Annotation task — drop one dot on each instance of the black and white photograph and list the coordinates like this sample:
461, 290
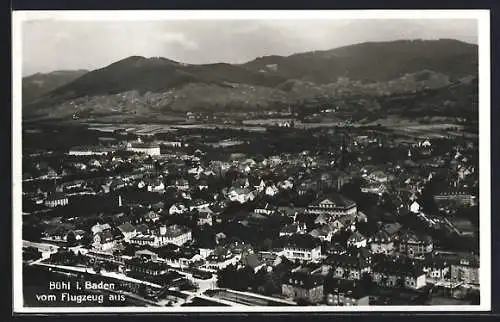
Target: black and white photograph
251, 161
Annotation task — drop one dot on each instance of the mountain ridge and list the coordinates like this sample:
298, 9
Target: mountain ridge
370, 68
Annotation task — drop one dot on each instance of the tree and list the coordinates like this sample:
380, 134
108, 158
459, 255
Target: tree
71, 239
366, 282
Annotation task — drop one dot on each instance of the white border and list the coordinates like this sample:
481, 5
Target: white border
483, 18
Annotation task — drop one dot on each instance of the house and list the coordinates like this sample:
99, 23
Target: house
198, 204
324, 233
436, 267
334, 204
466, 269
181, 184
221, 258
103, 240
151, 216
415, 207
350, 265
381, 243
58, 235
128, 231
345, 293
267, 209
56, 200
202, 185
415, 245
303, 286
379, 177
146, 254
196, 171
290, 211
272, 191
295, 228
177, 235
177, 209
253, 261
357, 240
205, 218
302, 248
156, 186
344, 222
97, 228
375, 188
240, 195
322, 219
399, 274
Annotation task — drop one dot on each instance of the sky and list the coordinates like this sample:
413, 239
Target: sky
49, 45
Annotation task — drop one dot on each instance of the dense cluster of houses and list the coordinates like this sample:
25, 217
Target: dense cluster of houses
324, 270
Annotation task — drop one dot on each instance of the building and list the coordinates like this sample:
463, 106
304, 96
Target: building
177, 235
381, 243
415, 245
267, 209
181, 184
205, 218
56, 200
436, 268
334, 204
128, 231
324, 233
90, 150
375, 188
302, 248
466, 269
253, 261
345, 293
172, 144
146, 266
457, 197
177, 209
97, 228
350, 265
144, 148
291, 229
357, 240
221, 258
301, 286
399, 274
104, 240
241, 195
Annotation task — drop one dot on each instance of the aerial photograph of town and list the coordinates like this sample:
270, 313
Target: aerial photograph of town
250, 163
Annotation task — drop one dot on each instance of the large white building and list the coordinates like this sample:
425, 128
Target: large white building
146, 148
90, 150
334, 204
302, 247
177, 235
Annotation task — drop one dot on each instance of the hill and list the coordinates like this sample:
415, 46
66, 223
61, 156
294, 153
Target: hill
37, 85
374, 61
148, 86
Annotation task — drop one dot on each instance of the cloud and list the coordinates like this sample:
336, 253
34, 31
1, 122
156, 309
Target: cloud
51, 44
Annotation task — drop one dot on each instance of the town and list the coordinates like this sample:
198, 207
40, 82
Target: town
281, 215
